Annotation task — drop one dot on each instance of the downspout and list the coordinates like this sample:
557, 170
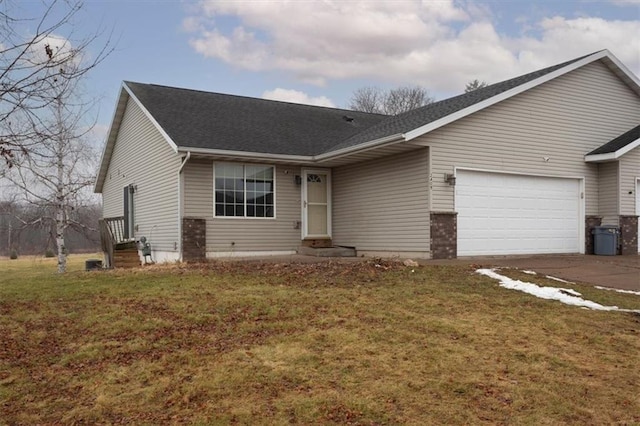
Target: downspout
180, 203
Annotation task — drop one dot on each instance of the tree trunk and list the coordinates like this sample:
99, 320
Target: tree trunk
61, 217
62, 251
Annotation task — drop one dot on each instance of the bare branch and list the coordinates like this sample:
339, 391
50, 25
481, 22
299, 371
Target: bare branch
389, 102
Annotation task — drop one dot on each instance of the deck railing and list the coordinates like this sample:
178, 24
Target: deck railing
111, 233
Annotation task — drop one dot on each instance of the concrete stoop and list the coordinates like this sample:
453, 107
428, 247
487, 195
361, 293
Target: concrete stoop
335, 251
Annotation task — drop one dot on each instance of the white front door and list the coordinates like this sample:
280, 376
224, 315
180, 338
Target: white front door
316, 204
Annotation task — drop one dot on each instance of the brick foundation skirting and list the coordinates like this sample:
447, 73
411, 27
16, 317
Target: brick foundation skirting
444, 235
628, 235
194, 239
590, 223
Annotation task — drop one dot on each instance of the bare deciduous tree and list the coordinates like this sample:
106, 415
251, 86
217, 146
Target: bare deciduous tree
57, 171
474, 85
390, 102
33, 62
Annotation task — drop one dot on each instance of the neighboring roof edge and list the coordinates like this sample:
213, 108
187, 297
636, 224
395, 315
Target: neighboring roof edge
616, 148
114, 128
623, 71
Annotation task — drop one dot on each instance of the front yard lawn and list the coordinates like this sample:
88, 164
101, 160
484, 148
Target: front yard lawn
330, 343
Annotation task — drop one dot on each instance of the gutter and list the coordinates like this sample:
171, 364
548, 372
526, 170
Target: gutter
360, 147
296, 159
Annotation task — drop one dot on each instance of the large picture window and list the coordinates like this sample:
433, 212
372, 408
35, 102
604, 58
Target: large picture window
244, 190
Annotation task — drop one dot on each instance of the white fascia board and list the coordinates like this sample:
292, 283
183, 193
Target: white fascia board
295, 159
258, 156
114, 127
505, 95
633, 79
610, 156
376, 143
150, 117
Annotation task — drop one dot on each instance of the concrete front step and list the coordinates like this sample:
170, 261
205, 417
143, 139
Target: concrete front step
336, 251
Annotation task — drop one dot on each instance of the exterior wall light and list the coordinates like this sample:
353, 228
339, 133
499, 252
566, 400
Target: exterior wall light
450, 178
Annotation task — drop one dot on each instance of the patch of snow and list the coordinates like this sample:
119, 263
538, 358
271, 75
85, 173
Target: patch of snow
571, 291
637, 293
530, 272
564, 295
559, 280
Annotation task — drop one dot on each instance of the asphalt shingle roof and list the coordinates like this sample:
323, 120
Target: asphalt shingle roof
416, 118
619, 142
196, 119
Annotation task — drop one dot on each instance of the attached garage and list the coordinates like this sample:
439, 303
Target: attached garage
507, 214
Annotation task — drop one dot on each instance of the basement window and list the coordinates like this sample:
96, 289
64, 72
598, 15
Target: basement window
244, 190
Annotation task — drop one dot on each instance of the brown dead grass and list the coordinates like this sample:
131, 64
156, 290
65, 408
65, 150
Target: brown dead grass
330, 343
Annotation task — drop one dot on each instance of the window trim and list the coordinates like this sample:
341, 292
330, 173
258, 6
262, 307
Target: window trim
245, 217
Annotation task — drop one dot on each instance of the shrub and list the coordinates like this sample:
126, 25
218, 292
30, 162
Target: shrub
13, 255
49, 253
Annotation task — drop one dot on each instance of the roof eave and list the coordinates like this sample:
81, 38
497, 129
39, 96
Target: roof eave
246, 155
366, 146
611, 156
294, 159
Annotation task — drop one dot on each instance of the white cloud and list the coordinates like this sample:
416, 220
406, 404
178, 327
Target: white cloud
635, 3
297, 97
439, 44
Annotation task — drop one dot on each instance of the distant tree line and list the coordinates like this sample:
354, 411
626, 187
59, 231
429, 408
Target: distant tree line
397, 100
24, 230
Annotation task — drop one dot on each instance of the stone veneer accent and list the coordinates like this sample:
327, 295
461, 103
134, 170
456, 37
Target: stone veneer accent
590, 223
628, 235
194, 239
444, 235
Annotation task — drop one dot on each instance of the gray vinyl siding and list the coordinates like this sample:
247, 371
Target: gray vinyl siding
562, 119
629, 173
142, 157
608, 185
383, 204
244, 234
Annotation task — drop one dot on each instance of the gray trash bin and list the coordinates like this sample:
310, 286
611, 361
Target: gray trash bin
605, 240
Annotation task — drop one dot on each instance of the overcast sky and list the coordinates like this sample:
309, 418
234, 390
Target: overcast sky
320, 51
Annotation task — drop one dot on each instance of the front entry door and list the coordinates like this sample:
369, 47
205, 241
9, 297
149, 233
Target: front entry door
316, 204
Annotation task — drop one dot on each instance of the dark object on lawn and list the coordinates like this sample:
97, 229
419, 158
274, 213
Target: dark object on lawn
49, 253
92, 264
13, 255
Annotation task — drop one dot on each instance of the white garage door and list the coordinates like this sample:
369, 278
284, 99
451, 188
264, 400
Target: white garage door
512, 214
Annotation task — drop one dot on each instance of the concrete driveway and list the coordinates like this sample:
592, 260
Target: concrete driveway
621, 272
